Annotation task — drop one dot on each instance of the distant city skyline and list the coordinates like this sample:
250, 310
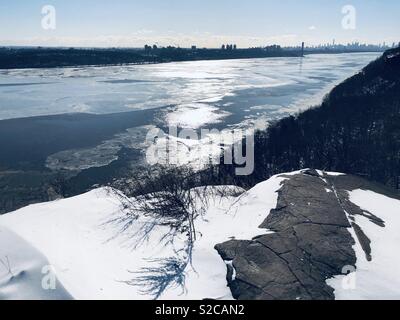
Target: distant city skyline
206, 23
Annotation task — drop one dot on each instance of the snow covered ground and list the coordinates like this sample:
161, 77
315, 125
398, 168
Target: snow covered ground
92, 260
78, 242
379, 278
24, 272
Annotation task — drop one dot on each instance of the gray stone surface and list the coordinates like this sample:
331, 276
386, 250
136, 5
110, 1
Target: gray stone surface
311, 240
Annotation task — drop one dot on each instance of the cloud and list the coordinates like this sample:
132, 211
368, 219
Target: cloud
139, 39
312, 28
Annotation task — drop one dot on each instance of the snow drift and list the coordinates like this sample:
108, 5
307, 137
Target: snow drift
93, 261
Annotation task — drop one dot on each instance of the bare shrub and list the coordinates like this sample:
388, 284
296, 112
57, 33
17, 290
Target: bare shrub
167, 273
7, 265
168, 197
171, 197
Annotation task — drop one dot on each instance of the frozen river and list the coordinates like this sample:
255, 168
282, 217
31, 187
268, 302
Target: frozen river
193, 93
98, 111
92, 122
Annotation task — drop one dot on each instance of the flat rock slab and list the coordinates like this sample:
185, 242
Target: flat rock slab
310, 242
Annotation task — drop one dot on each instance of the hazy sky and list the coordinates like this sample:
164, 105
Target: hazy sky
201, 22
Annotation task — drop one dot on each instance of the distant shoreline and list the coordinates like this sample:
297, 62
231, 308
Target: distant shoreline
40, 58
